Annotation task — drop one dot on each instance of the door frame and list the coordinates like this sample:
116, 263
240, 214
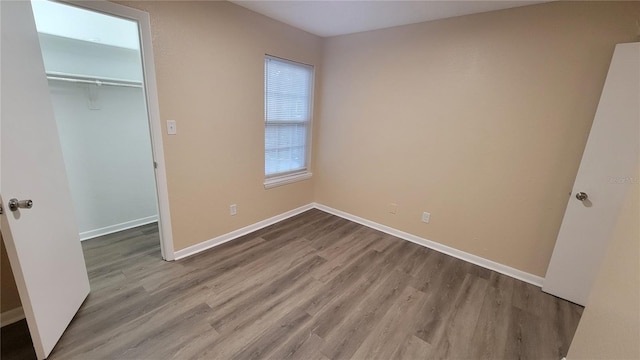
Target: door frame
153, 109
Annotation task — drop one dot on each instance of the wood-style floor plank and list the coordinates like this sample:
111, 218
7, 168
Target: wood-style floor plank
412, 348
314, 286
384, 339
455, 339
343, 341
491, 333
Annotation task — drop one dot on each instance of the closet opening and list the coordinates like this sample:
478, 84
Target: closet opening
94, 67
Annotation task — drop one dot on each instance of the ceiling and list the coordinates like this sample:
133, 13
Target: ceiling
333, 17
76, 23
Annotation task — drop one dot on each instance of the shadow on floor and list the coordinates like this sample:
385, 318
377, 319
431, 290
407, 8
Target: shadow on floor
16, 342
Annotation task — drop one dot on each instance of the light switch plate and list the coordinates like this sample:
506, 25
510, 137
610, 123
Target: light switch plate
171, 127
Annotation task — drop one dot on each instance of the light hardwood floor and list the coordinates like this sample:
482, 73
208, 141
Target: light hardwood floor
314, 286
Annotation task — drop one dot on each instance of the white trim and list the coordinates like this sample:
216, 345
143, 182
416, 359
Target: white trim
86, 235
286, 179
474, 259
11, 316
192, 250
459, 254
153, 108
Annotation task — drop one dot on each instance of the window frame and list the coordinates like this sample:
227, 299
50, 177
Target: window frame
287, 177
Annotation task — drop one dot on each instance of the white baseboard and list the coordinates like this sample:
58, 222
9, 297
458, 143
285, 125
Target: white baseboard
11, 316
474, 259
86, 235
192, 250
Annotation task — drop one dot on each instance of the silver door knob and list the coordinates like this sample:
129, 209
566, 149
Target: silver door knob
582, 196
15, 204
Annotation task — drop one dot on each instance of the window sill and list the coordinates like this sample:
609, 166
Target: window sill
286, 179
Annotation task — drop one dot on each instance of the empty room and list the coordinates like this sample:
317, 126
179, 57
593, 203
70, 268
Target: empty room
320, 179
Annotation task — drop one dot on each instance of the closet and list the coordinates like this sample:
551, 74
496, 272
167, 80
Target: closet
94, 70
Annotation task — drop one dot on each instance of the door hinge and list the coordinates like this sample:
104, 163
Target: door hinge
1, 210
155, 165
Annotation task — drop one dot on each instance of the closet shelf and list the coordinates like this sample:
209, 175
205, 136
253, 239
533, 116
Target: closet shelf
96, 80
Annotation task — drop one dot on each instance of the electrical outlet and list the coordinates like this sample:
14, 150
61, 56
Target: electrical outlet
393, 208
425, 217
233, 209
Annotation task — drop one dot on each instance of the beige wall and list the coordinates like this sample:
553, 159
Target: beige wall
610, 325
209, 59
480, 120
9, 298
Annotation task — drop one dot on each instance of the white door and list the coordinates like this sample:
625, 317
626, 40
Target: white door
605, 174
42, 242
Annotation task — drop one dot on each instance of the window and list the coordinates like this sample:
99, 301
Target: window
288, 92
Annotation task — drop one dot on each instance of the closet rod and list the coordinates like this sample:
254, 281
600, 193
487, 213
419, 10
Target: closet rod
92, 80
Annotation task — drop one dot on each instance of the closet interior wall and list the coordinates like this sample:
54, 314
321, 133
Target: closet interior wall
100, 109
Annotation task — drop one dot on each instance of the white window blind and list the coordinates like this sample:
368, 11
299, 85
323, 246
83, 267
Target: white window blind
288, 96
